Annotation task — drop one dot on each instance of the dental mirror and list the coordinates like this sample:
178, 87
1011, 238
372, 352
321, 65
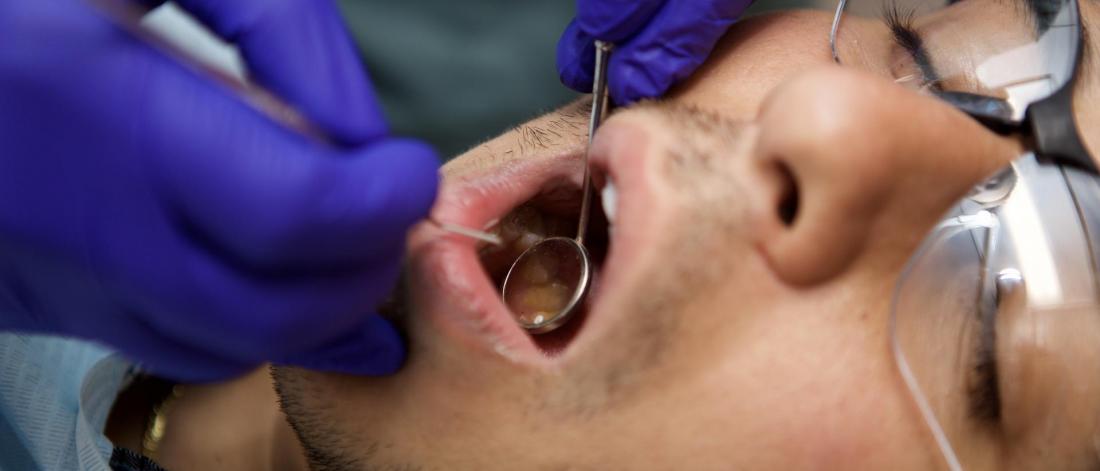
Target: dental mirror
548, 282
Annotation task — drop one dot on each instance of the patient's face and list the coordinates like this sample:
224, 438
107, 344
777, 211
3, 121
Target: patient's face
739, 321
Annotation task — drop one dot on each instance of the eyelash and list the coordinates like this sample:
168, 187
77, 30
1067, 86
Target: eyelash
899, 20
984, 393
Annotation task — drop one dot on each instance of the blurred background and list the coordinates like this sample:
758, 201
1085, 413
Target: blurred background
453, 73
459, 72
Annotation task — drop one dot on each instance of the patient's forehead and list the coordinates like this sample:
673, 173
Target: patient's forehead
757, 55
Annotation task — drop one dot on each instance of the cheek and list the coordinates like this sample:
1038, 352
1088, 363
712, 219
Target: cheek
1087, 96
815, 385
756, 55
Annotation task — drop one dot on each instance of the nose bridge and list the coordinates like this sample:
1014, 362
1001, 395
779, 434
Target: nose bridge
870, 161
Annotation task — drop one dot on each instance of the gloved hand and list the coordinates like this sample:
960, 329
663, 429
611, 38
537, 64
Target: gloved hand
146, 207
657, 42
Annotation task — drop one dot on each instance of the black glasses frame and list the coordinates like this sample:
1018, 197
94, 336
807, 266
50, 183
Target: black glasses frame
1049, 123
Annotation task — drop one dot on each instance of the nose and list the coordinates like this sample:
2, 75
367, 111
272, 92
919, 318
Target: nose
855, 169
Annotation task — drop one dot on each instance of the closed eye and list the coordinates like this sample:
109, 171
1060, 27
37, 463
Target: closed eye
905, 36
984, 394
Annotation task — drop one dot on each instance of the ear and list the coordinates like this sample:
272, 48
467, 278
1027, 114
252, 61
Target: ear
851, 163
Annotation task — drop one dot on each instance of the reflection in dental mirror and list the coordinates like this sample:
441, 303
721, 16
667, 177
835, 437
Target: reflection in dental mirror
546, 284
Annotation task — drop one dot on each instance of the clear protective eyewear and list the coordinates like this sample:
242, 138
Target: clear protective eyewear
1013, 267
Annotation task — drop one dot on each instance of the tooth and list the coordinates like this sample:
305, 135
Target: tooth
521, 225
527, 240
528, 219
609, 195
547, 299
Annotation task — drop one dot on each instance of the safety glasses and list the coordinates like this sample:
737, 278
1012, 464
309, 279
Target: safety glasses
1008, 280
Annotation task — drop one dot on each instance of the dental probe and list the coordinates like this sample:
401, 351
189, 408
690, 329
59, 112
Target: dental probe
549, 282
465, 231
127, 16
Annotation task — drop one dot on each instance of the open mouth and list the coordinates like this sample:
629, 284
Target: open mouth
524, 203
553, 212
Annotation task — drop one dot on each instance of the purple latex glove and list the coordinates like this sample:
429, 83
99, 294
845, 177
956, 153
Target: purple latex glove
148, 208
657, 42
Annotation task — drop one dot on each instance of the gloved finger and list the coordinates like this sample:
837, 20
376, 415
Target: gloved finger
373, 349
576, 58
670, 48
163, 355
301, 50
280, 244
128, 330
272, 198
291, 209
615, 20
254, 317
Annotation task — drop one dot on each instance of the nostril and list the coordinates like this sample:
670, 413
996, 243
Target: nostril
787, 209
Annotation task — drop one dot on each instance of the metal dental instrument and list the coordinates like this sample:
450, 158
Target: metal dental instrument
832, 31
128, 15
466, 232
549, 282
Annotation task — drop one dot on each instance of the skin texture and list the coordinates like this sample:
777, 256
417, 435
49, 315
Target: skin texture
722, 335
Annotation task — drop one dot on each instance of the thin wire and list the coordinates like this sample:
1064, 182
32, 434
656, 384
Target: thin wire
907, 373
836, 25
599, 109
943, 231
